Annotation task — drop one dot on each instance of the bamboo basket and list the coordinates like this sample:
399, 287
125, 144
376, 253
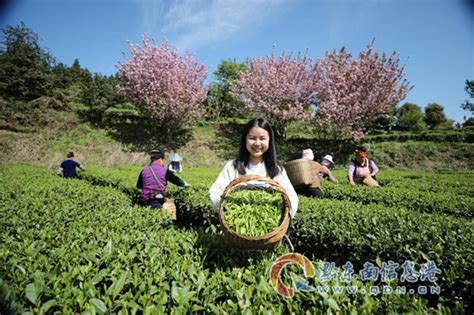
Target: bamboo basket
267, 241
170, 207
369, 181
299, 172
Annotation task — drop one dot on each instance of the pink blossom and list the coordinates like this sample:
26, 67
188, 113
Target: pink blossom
167, 86
353, 93
278, 89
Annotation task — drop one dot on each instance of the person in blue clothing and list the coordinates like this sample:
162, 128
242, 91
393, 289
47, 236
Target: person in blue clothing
68, 167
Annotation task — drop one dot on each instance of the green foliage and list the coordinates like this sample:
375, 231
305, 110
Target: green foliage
120, 114
80, 138
468, 123
77, 74
220, 102
390, 226
423, 155
123, 179
21, 116
100, 94
438, 135
252, 212
64, 76
348, 231
469, 88
384, 123
441, 201
410, 117
435, 116
28, 72
447, 124
57, 101
25, 67
228, 71
69, 247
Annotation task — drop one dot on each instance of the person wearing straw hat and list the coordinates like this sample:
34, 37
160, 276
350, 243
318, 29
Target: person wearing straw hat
327, 161
327, 164
153, 180
318, 171
256, 156
175, 165
361, 170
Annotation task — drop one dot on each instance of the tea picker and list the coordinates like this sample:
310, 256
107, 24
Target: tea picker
153, 181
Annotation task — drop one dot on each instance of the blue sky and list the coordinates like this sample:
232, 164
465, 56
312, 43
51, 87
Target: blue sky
434, 38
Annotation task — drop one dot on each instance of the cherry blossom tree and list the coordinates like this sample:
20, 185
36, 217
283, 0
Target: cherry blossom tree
279, 89
353, 93
165, 85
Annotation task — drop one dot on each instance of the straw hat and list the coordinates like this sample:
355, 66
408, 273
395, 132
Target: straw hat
308, 154
328, 158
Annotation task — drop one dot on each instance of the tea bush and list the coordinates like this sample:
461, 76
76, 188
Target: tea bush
70, 247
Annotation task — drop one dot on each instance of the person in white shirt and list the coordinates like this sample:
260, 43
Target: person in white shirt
257, 156
176, 166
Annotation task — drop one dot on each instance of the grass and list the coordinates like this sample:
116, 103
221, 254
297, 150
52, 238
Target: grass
424, 155
49, 146
213, 143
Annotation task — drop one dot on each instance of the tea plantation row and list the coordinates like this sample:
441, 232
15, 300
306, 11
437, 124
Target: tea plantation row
449, 193
391, 222
70, 247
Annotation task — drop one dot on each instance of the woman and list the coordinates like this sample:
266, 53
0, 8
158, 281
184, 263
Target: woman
153, 180
175, 165
257, 156
361, 168
318, 172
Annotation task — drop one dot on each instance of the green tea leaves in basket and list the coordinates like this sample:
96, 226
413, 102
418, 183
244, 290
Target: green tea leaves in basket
253, 212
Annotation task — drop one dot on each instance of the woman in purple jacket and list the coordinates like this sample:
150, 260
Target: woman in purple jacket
154, 178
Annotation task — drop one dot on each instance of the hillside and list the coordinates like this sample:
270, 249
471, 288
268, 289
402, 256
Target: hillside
45, 139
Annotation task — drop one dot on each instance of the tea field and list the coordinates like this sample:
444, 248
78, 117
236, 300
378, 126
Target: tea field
84, 246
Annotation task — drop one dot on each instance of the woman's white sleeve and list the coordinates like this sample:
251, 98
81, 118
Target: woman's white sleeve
285, 182
224, 178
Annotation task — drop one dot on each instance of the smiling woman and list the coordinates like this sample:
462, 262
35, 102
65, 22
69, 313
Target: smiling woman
257, 142
257, 156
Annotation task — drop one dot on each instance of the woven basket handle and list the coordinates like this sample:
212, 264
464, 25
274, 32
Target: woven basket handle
247, 178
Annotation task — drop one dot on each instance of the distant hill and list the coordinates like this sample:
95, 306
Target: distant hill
43, 135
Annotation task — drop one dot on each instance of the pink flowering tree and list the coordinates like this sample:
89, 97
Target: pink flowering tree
353, 93
166, 87
279, 89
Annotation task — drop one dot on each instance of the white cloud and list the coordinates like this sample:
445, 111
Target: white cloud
152, 12
194, 23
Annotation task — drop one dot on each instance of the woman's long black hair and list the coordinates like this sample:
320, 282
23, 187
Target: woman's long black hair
269, 157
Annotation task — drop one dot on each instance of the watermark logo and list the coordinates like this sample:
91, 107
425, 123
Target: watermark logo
280, 263
383, 275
